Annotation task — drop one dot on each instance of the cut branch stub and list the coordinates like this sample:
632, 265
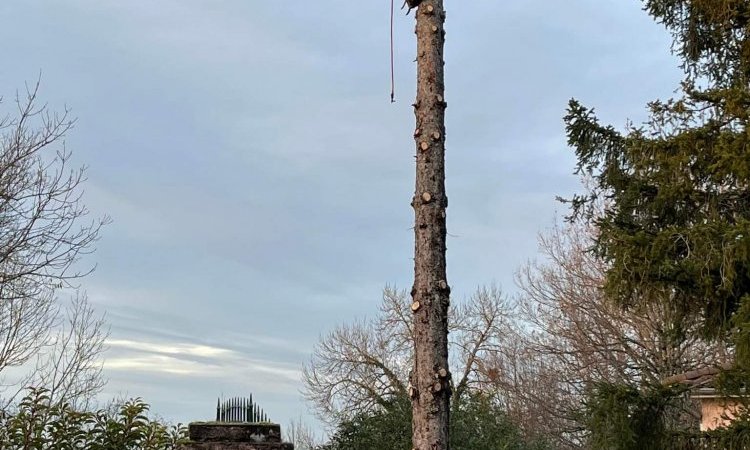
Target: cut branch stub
417, 132
424, 146
415, 306
436, 135
426, 197
442, 373
442, 284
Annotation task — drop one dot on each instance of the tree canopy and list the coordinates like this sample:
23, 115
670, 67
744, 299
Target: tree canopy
677, 188
477, 423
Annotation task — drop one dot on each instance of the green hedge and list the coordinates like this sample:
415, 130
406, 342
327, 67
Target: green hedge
37, 424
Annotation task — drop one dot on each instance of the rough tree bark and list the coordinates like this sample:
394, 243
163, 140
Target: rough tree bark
430, 378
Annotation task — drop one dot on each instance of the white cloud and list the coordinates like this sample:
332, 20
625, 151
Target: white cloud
190, 359
155, 363
171, 349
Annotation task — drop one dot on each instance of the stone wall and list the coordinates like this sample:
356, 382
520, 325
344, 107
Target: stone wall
235, 436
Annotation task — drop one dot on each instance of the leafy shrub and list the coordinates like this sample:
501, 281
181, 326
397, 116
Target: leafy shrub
39, 424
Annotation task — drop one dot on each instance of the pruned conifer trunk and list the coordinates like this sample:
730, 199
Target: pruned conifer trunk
430, 378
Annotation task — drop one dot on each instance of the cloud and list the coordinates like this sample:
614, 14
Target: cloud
185, 349
194, 360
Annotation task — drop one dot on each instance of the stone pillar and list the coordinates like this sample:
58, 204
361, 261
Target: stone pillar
234, 436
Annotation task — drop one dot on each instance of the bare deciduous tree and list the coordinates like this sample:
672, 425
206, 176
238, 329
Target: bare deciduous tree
479, 328
356, 368
302, 436
43, 232
572, 337
71, 366
24, 327
41, 213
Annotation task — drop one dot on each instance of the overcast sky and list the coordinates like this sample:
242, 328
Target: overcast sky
259, 179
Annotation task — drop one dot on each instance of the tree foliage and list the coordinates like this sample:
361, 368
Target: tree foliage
477, 423
623, 417
676, 228
39, 423
388, 427
710, 36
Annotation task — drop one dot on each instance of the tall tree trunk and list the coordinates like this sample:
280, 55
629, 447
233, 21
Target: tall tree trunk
430, 379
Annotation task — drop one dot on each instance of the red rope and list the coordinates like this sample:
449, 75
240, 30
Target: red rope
393, 80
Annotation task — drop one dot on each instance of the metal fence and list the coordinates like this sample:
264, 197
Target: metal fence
239, 410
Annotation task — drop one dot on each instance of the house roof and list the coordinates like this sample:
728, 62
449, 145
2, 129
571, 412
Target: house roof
698, 378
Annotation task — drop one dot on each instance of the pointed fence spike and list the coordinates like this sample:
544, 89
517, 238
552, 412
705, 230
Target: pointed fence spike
240, 410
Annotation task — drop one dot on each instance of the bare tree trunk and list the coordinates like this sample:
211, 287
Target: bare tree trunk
430, 379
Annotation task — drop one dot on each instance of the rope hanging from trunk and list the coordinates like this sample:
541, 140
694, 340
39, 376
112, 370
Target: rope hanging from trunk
393, 78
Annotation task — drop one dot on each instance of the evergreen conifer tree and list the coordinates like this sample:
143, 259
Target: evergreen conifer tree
677, 228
